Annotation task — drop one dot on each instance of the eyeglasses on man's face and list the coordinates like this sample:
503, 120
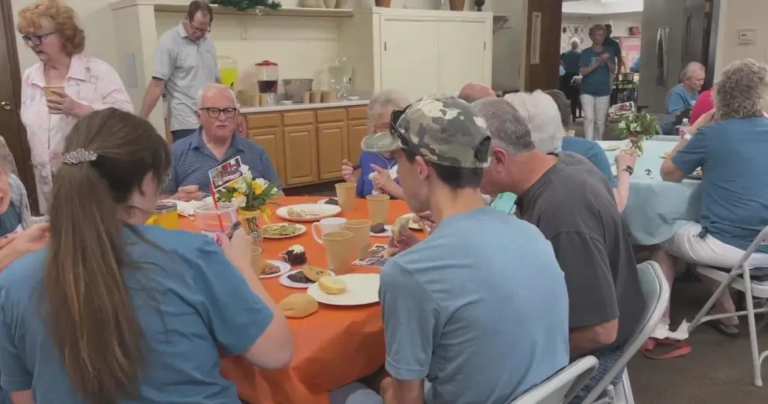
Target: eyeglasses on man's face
215, 112
200, 30
35, 39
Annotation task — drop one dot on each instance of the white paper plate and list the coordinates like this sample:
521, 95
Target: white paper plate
302, 230
313, 211
284, 267
387, 233
291, 284
611, 147
361, 289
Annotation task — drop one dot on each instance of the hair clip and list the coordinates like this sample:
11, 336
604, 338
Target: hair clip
78, 156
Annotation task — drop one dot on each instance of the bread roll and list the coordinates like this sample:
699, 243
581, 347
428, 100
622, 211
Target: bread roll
314, 273
298, 305
401, 223
332, 285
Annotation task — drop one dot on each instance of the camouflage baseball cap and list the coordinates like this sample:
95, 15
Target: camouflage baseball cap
442, 130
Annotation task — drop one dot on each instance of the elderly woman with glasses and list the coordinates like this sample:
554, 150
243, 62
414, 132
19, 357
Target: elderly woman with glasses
375, 172
62, 87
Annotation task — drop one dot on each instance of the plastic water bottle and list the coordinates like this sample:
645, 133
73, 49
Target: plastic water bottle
683, 128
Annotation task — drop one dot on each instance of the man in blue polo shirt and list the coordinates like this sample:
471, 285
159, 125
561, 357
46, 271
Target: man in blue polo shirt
214, 143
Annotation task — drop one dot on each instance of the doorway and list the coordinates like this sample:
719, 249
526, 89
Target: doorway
10, 102
542, 48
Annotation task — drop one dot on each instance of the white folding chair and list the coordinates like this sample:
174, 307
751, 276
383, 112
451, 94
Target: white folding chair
656, 292
563, 385
739, 278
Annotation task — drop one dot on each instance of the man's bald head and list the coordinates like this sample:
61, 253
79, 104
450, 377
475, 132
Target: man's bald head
476, 91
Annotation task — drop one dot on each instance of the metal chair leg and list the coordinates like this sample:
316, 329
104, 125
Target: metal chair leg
711, 302
752, 330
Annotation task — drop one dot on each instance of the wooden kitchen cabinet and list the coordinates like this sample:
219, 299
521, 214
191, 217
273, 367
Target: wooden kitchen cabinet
307, 146
332, 148
419, 52
271, 140
301, 154
356, 131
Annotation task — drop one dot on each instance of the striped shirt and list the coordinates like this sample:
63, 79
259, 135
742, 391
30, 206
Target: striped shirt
192, 160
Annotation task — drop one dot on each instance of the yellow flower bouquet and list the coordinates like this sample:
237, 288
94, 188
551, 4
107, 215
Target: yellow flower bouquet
251, 195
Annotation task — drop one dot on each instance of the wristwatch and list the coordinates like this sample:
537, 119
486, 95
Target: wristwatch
629, 169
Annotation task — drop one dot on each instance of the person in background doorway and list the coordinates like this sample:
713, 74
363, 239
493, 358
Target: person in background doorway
613, 44
62, 87
384, 166
476, 91
685, 94
570, 63
597, 65
185, 61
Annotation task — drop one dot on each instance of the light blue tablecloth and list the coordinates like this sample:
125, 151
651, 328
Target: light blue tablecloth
657, 209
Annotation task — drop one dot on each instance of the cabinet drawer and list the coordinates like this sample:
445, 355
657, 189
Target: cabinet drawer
257, 121
331, 115
357, 113
298, 118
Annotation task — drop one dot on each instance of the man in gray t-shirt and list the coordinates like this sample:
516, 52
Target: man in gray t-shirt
185, 61
567, 198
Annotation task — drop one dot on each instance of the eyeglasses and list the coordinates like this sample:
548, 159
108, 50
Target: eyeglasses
215, 112
200, 30
36, 39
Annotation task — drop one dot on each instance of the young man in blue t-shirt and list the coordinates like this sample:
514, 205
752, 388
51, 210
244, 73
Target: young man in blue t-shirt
492, 317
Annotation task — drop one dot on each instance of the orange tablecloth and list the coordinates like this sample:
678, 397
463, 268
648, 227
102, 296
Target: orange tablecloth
332, 347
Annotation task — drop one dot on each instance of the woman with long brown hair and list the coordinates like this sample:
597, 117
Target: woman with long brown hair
115, 311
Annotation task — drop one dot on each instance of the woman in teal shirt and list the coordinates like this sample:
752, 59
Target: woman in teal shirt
117, 312
597, 64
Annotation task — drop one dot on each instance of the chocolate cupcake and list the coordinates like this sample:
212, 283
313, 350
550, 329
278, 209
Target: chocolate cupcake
378, 228
295, 255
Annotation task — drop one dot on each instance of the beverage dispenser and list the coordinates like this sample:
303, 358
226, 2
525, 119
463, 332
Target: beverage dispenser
267, 78
227, 71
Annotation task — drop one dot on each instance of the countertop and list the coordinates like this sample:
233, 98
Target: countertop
293, 107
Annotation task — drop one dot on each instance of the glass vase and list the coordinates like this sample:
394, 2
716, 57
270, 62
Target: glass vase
249, 218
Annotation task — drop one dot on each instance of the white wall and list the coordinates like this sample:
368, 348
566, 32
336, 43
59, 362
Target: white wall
299, 45
737, 15
578, 26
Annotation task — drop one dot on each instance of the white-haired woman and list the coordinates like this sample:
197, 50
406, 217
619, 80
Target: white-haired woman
384, 167
542, 112
729, 144
597, 64
570, 61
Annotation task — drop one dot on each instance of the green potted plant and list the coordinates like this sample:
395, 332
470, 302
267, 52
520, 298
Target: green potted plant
245, 5
637, 128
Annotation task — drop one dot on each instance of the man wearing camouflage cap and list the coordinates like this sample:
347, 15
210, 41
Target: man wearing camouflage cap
450, 303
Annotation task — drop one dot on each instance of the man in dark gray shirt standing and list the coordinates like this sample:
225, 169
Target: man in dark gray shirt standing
568, 199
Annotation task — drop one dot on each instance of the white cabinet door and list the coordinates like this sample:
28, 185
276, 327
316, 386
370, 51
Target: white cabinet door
462, 53
409, 57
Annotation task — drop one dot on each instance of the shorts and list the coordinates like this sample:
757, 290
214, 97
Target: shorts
708, 251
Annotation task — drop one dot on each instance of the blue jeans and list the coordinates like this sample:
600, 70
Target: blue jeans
606, 361
179, 134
